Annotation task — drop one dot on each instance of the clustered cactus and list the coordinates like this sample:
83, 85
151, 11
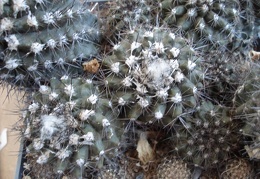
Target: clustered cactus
154, 75
40, 39
175, 97
69, 121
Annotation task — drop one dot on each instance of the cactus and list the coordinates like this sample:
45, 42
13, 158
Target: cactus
153, 76
208, 137
173, 168
223, 72
246, 106
219, 23
70, 123
123, 14
237, 168
42, 39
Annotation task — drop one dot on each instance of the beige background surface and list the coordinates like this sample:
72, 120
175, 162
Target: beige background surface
9, 154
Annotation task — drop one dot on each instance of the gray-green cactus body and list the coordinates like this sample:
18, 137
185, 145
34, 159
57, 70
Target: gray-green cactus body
206, 138
123, 14
223, 71
41, 39
247, 108
70, 123
154, 75
218, 23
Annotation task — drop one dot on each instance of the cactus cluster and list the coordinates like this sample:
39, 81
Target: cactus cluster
41, 39
247, 107
208, 137
68, 121
221, 24
177, 81
154, 75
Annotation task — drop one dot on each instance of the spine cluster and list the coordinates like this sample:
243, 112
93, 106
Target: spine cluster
180, 80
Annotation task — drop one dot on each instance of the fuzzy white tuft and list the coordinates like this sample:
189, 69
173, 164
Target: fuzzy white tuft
6, 24
33, 67
85, 114
127, 81
37, 47
12, 64
43, 158
105, 122
63, 153
159, 47
158, 115
87, 139
33, 107
32, 21
38, 144
27, 132
48, 18
19, 5
115, 67
80, 162
121, 101
130, 61
48, 64
143, 102
194, 90
74, 139
175, 51
140, 88
51, 43
191, 65
69, 13
148, 34
12, 42
178, 77
162, 93
69, 90
64, 77
172, 35
53, 96
50, 125
92, 99
174, 64
44, 89
177, 98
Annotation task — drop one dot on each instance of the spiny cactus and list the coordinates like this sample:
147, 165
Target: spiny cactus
219, 23
247, 107
123, 14
70, 123
153, 75
41, 39
173, 168
207, 137
223, 72
237, 168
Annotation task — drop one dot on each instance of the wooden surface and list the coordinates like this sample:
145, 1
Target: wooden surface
9, 154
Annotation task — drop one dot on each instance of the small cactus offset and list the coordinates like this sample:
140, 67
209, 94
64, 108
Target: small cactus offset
247, 106
70, 123
153, 76
208, 137
237, 168
42, 38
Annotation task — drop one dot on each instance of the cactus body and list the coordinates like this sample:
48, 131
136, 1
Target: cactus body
72, 123
153, 71
43, 39
208, 137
